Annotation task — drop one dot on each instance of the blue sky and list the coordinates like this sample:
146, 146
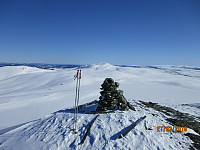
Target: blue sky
130, 32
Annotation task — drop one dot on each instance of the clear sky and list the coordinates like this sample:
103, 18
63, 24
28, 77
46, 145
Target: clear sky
129, 32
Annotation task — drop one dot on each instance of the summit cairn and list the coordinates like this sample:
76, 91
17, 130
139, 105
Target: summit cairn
111, 98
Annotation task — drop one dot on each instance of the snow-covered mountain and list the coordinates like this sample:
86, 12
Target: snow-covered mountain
31, 97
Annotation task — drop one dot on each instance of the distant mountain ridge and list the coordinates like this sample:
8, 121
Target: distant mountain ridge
44, 66
50, 66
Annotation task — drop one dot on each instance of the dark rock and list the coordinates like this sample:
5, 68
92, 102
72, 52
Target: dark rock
111, 98
179, 119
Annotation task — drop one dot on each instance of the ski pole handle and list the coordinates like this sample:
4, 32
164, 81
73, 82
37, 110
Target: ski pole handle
80, 75
76, 75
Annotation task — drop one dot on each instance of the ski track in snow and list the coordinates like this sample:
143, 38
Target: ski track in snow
28, 93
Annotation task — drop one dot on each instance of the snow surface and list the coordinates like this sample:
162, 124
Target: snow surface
27, 94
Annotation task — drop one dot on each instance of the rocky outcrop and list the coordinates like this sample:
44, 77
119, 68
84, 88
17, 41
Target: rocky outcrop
111, 98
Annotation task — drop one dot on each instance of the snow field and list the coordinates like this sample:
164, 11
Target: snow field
54, 132
34, 96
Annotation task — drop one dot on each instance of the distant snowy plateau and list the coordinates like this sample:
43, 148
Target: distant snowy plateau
32, 100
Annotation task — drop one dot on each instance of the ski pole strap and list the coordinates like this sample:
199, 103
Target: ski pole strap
77, 75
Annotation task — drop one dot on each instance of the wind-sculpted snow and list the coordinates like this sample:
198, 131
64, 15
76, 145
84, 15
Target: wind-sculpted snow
29, 93
54, 132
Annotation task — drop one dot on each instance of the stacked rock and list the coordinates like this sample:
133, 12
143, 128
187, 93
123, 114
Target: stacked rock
111, 98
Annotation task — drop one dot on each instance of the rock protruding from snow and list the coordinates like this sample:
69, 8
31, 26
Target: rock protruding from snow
111, 98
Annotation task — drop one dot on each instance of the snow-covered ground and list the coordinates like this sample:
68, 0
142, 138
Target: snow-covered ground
32, 95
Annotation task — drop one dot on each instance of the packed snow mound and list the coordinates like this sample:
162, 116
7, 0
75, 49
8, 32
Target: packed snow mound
102, 66
54, 132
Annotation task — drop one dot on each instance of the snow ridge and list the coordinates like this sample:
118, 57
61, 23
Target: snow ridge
54, 132
30, 93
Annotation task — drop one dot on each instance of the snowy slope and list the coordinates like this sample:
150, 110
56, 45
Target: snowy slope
54, 132
28, 93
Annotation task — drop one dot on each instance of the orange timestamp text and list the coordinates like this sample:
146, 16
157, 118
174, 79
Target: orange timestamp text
171, 129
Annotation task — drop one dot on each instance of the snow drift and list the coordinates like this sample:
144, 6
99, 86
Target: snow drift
29, 93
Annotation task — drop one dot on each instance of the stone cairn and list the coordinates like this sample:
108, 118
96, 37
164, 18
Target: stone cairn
111, 98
